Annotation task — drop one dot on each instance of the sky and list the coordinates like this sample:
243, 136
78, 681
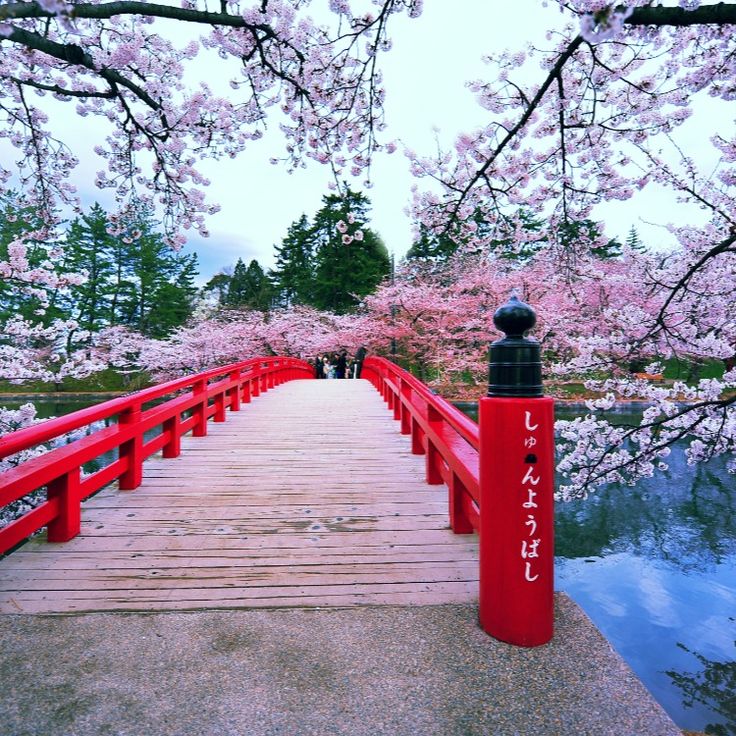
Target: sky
425, 74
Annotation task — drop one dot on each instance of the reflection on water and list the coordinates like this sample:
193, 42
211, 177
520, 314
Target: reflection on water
49, 408
655, 568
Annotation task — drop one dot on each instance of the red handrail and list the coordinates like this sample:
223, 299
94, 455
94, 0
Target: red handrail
60, 469
440, 431
500, 479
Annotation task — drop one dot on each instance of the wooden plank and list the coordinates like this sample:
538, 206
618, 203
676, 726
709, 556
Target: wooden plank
461, 593
217, 559
176, 578
309, 496
263, 511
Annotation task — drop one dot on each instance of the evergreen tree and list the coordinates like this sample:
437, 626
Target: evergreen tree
293, 276
153, 276
89, 248
346, 273
20, 221
175, 299
573, 233
634, 241
500, 237
431, 246
218, 285
139, 280
513, 248
249, 287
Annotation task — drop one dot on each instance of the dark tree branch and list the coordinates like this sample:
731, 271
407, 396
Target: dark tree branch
105, 11
523, 120
61, 90
723, 247
721, 14
73, 54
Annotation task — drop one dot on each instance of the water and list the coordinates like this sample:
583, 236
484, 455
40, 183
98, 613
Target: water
49, 408
654, 567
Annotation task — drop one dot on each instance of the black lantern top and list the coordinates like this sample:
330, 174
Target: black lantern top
515, 317
515, 366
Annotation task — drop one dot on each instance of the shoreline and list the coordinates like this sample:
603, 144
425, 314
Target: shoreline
635, 404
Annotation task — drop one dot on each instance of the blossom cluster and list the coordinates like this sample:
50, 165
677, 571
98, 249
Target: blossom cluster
118, 64
349, 234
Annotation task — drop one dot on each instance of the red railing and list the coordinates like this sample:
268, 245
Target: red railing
500, 476
205, 395
447, 437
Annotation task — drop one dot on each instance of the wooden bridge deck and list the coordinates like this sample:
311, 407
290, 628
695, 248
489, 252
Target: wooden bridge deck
308, 497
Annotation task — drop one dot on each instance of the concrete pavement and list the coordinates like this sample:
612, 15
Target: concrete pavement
373, 671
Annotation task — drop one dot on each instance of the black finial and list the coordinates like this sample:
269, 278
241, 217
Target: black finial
515, 367
515, 317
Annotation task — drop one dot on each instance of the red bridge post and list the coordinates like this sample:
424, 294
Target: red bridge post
516, 487
132, 450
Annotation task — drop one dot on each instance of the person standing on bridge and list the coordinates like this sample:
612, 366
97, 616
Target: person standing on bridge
328, 368
319, 367
359, 358
341, 365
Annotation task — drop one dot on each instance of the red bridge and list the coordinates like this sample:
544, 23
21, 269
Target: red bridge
308, 495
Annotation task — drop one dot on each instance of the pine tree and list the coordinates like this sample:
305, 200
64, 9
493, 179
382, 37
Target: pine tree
218, 285
634, 241
147, 272
431, 246
511, 247
20, 221
573, 233
346, 273
175, 299
89, 248
293, 276
249, 288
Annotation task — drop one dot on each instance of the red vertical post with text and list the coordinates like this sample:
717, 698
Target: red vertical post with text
516, 601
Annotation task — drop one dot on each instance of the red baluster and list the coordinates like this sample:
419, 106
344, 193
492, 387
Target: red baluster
171, 427
132, 449
200, 409
235, 391
417, 446
397, 400
433, 458
457, 494
405, 410
66, 525
220, 407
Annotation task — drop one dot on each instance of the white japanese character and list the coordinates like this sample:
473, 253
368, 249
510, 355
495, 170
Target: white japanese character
529, 477
530, 549
527, 421
530, 503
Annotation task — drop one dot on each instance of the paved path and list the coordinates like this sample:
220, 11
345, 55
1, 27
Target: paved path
373, 671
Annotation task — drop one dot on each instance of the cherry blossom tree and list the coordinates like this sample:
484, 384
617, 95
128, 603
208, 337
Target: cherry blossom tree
230, 336
31, 350
116, 61
610, 92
